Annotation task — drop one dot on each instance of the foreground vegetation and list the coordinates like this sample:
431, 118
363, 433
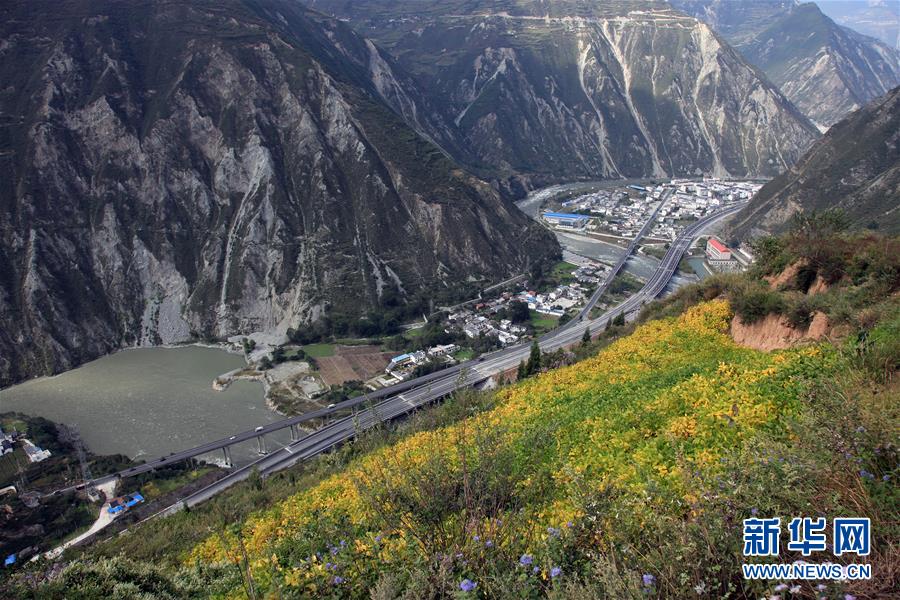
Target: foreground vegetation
626, 474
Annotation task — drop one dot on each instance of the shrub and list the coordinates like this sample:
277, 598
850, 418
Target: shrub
755, 302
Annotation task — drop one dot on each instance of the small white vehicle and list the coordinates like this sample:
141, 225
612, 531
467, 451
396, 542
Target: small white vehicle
331, 405
260, 428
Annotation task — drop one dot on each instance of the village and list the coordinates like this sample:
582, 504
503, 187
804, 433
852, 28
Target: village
620, 213
303, 377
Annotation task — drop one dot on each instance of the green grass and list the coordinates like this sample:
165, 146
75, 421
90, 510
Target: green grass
464, 354
319, 350
160, 487
542, 323
562, 271
411, 334
9, 468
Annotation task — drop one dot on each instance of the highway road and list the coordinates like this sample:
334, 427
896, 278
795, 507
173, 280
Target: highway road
369, 398
467, 374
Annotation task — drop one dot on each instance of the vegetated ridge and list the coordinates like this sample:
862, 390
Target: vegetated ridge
854, 169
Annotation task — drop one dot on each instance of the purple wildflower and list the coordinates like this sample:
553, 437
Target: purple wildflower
866, 474
467, 585
377, 539
536, 570
555, 572
476, 537
753, 511
648, 579
849, 597
568, 523
886, 478
553, 531
489, 544
338, 580
781, 587
525, 560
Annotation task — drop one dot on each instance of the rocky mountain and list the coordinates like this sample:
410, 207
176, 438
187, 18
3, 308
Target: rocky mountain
575, 89
738, 20
855, 167
178, 170
825, 69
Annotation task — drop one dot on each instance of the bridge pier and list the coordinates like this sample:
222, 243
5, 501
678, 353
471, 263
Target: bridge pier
261, 445
227, 452
295, 434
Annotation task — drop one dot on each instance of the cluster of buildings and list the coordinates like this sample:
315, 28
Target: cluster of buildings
32, 451
619, 212
555, 302
692, 200
403, 365
476, 325
623, 212
720, 257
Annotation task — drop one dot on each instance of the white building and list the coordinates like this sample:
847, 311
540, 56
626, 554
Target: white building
34, 453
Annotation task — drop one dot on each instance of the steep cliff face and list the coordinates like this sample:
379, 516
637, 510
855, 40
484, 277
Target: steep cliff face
585, 89
189, 169
825, 69
855, 167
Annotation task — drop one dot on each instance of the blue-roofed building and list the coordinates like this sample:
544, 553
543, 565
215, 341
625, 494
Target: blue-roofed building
123, 503
569, 220
10, 560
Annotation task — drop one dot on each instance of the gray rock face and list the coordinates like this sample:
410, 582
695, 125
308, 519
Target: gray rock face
825, 69
584, 89
181, 170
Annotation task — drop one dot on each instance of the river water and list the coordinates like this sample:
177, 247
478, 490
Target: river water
148, 402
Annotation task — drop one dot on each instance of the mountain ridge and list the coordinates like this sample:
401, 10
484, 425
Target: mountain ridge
855, 167
205, 170
562, 91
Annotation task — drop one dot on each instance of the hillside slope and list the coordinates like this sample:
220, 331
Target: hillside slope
582, 481
855, 168
183, 170
575, 89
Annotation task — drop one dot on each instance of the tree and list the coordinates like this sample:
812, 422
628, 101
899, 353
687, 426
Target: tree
278, 355
518, 312
619, 321
522, 372
586, 338
265, 363
534, 359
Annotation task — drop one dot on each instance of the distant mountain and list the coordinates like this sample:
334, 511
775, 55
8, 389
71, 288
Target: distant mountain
738, 20
178, 170
581, 89
855, 167
877, 18
825, 69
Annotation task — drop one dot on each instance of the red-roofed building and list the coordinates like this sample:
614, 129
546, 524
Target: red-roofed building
717, 251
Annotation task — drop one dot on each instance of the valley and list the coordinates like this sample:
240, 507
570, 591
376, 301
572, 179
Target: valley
469, 299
